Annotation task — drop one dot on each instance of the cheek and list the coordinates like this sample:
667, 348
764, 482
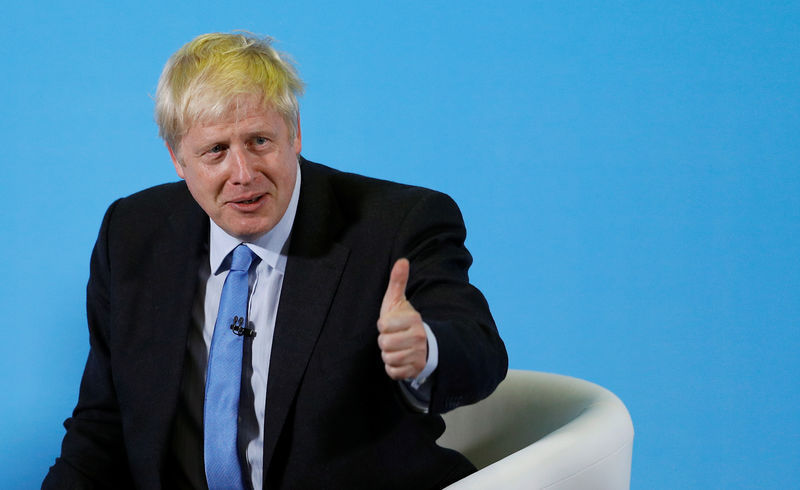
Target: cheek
204, 186
289, 174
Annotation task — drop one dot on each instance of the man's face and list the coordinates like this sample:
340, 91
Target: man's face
241, 170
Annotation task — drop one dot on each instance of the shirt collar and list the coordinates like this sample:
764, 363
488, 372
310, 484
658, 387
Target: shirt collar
269, 247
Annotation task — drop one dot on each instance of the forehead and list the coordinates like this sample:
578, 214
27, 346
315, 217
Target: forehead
239, 117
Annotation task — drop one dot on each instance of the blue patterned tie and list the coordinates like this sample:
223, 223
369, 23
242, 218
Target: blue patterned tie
223, 378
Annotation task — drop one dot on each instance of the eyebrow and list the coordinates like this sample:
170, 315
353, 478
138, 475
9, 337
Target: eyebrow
261, 131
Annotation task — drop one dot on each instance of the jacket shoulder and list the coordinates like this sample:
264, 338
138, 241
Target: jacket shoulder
352, 189
157, 199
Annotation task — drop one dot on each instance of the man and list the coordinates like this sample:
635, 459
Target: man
361, 324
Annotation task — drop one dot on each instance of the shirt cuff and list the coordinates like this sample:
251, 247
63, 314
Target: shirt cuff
432, 362
416, 393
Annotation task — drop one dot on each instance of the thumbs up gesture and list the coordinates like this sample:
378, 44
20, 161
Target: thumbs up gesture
402, 339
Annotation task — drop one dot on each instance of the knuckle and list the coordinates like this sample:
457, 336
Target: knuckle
390, 359
392, 372
398, 359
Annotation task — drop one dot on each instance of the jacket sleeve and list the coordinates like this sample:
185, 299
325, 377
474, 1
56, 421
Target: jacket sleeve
92, 452
472, 356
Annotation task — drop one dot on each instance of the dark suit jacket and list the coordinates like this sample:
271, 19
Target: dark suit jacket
334, 419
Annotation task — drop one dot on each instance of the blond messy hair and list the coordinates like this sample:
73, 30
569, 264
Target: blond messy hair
209, 75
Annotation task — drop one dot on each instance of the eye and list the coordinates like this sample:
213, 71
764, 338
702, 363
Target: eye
260, 140
216, 149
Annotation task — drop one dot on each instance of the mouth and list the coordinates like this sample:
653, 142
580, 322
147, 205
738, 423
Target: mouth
248, 202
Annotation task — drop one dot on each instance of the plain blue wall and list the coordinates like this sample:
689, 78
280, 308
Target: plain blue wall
628, 173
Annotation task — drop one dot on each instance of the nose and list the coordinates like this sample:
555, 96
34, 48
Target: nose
241, 172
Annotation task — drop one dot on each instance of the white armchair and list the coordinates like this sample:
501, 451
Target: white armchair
541, 430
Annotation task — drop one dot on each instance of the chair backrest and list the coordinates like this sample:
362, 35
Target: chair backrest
545, 430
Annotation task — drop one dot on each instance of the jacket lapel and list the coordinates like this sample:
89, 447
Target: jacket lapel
179, 263
313, 270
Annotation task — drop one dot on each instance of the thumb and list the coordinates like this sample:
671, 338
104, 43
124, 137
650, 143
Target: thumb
396, 290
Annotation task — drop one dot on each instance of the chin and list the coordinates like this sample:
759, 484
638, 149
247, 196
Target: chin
250, 233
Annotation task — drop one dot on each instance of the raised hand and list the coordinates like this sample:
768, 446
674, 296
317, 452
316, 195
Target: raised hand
402, 339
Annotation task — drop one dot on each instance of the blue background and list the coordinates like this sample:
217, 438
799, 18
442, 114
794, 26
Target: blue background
628, 172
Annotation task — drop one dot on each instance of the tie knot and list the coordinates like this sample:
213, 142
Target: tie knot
242, 257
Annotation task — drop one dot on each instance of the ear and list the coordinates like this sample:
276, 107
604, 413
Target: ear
298, 140
175, 162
